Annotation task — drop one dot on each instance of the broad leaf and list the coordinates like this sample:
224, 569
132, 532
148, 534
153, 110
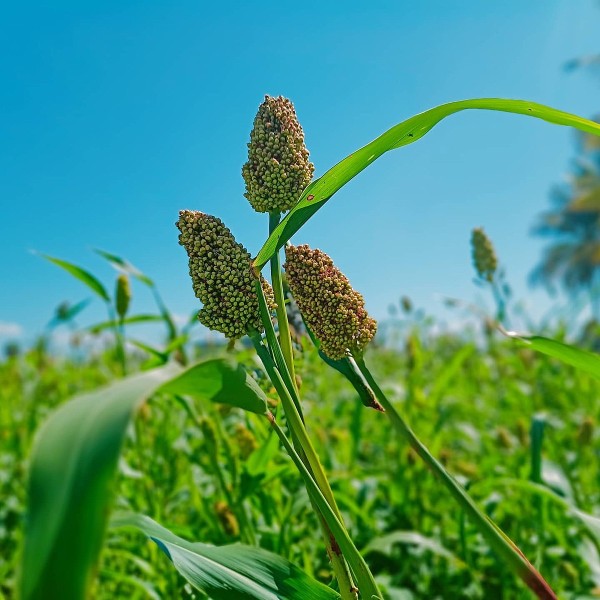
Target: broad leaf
220, 380
407, 132
231, 572
81, 274
72, 468
73, 464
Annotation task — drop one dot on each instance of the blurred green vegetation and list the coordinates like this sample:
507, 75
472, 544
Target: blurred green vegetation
517, 428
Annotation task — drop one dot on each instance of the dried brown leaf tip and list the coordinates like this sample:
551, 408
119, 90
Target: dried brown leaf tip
333, 310
222, 275
278, 168
484, 256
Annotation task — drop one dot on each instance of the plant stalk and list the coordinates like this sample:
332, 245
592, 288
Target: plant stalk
285, 339
497, 539
366, 582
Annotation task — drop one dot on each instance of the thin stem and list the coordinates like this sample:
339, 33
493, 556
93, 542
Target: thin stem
497, 539
296, 424
366, 582
302, 442
285, 338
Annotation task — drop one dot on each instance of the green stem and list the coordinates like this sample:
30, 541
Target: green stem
366, 582
295, 423
120, 345
497, 539
285, 338
303, 443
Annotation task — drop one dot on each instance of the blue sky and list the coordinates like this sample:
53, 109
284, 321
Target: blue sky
115, 115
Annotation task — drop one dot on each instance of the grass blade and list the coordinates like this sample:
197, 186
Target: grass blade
407, 132
84, 276
582, 360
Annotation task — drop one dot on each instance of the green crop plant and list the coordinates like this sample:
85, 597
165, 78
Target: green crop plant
76, 452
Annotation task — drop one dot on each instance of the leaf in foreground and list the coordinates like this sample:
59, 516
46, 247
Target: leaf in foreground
73, 464
231, 572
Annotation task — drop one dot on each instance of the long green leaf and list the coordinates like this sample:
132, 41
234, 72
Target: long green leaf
72, 467
407, 132
124, 265
571, 355
234, 571
84, 276
74, 460
502, 545
132, 320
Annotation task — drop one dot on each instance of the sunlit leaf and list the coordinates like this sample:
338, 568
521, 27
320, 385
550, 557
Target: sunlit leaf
234, 571
84, 276
407, 132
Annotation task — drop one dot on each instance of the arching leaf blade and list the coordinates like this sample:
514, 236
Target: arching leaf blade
233, 571
84, 276
407, 132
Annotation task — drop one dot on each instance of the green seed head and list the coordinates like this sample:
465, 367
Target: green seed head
333, 310
484, 256
227, 518
278, 168
122, 295
222, 275
245, 440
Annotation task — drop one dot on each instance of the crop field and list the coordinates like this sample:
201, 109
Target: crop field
312, 453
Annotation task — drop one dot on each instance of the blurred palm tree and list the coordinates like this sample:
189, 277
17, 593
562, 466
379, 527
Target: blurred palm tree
572, 256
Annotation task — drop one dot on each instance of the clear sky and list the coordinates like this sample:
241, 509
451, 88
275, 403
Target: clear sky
115, 115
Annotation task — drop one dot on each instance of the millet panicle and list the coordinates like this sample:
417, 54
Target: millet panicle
278, 168
333, 310
484, 256
222, 275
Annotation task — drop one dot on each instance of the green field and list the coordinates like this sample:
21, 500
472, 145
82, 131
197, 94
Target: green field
475, 404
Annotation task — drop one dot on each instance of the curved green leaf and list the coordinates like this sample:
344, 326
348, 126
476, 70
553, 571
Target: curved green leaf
234, 571
571, 355
74, 460
72, 467
125, 266
407, 132
219, 380
132, 320
84, 276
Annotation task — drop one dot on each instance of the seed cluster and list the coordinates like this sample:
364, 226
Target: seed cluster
221, 275
278, 168
333, 310
122, 295
484, 256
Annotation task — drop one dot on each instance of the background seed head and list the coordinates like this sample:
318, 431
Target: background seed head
484, 256
278, 168
333, 310
222, 275
122, 295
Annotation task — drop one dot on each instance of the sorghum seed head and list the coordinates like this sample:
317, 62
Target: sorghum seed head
333, 310
484, 256
227, 518
122, 295
586, 431
222, 275
245, 440
278, 168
